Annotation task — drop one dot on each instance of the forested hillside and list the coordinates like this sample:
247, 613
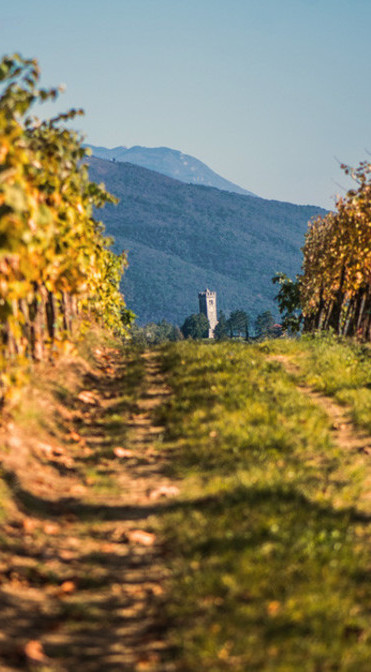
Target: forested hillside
181, 238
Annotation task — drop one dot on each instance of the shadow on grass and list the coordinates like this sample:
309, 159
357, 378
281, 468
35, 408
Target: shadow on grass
35, 505
93, 619
273, 499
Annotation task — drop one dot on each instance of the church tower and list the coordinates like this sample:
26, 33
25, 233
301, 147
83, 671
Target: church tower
207, 302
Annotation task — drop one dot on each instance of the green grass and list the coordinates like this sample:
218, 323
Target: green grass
337, 367
270, 558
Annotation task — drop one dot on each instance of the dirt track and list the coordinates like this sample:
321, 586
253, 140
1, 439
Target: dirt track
82, 571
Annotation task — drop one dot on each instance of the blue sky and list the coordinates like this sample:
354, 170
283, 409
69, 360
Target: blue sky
271, 94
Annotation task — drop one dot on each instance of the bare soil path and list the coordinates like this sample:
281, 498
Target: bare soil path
82, 569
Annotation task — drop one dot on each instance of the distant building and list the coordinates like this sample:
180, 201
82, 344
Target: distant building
207, 302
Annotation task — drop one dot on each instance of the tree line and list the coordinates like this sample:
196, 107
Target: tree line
196, 326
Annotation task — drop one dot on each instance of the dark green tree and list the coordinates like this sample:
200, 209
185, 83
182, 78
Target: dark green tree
165, 331
155, 333
221, 331
238, 324
288, 299
195, 326
264, 325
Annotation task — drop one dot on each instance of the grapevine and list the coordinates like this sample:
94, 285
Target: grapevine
336, 283
55, 262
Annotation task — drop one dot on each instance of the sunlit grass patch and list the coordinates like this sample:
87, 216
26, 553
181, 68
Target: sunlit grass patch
359, 400
237, 407
270, 558
336, 367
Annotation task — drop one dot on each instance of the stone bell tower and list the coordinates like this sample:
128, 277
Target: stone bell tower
207, 302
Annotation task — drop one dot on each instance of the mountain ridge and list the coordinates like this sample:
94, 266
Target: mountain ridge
170, 162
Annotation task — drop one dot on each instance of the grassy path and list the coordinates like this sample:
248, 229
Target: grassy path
81, 568
271, 557
343, 432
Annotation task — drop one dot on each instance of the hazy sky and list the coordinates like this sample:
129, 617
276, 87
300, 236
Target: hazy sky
269, 93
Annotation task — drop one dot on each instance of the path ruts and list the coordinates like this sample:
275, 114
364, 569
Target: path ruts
344, 433
82, 570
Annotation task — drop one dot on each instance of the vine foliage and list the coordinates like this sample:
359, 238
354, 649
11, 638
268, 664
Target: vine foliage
55, 261
335, 286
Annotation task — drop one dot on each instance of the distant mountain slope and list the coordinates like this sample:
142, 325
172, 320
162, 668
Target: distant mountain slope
182, 238
169, 162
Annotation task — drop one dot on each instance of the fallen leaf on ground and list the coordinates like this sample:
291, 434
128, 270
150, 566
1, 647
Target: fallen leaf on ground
74, 436
67, 555
67, 587
87, 397
29, 524
78, 489
273, 607
147, 663
141, 537
123, 452
155, 589
68, 462
164, 491
134, 589
107, 547
14, 442
45, 448
51, 528
34, 651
